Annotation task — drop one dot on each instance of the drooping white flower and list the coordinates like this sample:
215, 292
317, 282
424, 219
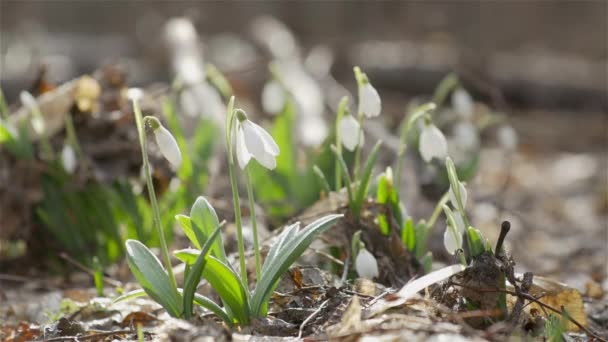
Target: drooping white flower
463, 196
451, 241
507, 137
432, 143
68, 159
463, 103
253, 141
168, 146
135, 94
366, 264
36, 119
350, 132
273, 97
369, 101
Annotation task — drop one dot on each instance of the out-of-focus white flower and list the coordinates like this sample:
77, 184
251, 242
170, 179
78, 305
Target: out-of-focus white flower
168, 146
68, 159
466, 135
507, 137
180, 31
463, 196
273, 97
253, 141
350, 132
463, 103
202, 99
369, 101
451, 241
135, 94
36, 119
432, 143
189, 69
366, 264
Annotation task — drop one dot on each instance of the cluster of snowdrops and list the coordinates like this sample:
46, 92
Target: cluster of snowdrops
240, 301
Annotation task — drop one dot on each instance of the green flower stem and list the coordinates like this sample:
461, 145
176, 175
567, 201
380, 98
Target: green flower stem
418, 112
455, 186
438, 209
358, 149
254, 226
3, 106
339, 116
146, 164
72, 137
235, 193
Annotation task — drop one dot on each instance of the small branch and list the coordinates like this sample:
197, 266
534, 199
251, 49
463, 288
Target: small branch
88, 337
309, 318
89, 271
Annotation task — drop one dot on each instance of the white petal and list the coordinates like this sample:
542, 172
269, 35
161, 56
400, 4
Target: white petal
369, 101
459, 222
242, 154
451, 242
68, 158
432, 143
135, 94
270, 145
168, 146
507, 137
410, 289
253, 140
273, 97
463, 196
28, 100
462, 103
366, 264
349, 132
38, 124
267, 160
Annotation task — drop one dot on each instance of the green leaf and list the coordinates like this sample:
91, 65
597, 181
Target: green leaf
321, 178
476, 242
366, 178
408, 235
427, 262
194, 275
284, 257
344, 169
204, 220
152, 277
129, 295
224, 279
213, 307
421, 231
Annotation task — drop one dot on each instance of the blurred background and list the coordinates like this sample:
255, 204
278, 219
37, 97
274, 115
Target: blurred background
541, 64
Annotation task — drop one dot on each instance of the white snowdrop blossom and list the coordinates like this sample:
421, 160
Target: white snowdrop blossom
451, 241
273, 97
168, 146
350, 131
68, 159
135, 94
252, 141
462, 103
507, 137
366, 264
369, 101
463, 196
36, 119
432, 143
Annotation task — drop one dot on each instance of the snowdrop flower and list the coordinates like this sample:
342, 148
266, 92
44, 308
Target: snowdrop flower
167, 145
463, 196
350, 131
369, 101
507, 137
463, 103
135, 94
37, 122
366, 264
273, 97
253, 141
68, 159
452, 241
432, 143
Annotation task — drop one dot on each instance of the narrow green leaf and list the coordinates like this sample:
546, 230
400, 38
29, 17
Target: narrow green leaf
194, 275
321, 178
475, 241
213, 307
129, 295
152, 277
408, 235
366, 177
284, 258
204, 220
344, 169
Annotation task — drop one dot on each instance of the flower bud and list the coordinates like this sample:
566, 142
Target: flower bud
168, 146
350, 131
463, 196
463, 103
432, 143
366, 264
273, 97
369, 101
68, 159
451, 241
